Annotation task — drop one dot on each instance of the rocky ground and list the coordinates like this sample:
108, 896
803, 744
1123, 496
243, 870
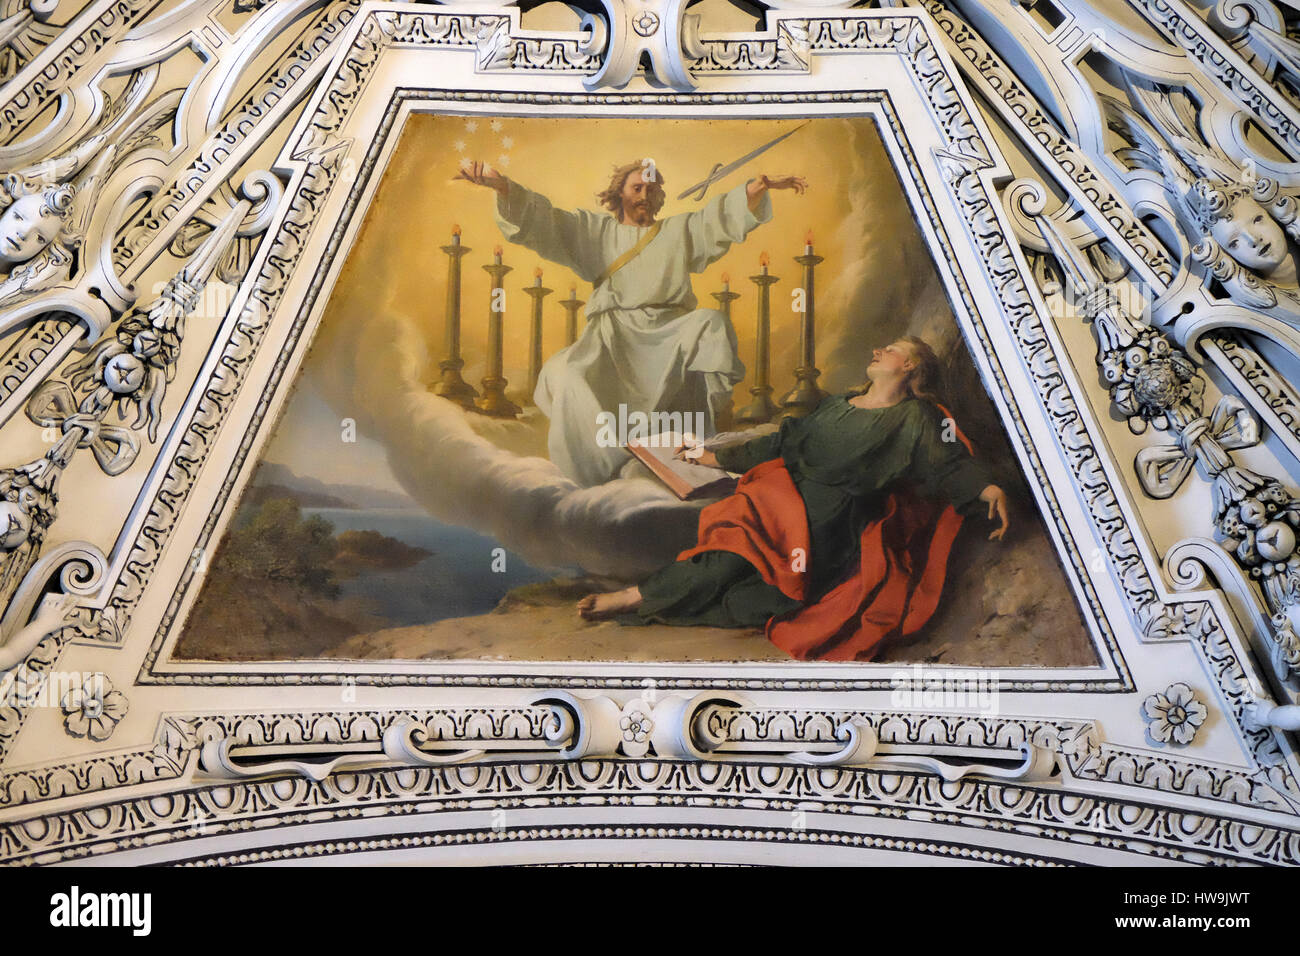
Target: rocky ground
540, 622
1006, 605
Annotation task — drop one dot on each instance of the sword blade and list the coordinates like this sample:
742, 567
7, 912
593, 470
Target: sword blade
731, 167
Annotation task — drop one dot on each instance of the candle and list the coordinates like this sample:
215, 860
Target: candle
762, 262
808, 244
537, 277
496, 255
455, 235
726, 296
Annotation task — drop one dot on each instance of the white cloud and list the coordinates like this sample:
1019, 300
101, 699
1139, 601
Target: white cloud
488, 474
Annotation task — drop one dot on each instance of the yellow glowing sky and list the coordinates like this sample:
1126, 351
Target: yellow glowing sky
396, 263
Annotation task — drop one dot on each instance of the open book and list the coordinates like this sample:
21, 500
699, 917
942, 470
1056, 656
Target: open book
685, 479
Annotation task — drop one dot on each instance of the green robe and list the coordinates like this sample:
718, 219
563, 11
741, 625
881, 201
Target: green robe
844, 461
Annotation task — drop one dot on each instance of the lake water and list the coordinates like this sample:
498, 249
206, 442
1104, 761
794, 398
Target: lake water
456, 580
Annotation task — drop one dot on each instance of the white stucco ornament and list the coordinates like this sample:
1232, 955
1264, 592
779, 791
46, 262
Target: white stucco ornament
662, 30
1176, 715
1168, 488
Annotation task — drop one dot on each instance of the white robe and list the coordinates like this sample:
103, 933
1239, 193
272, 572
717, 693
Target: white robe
646, 346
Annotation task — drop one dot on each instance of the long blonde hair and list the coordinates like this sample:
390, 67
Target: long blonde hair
924, 380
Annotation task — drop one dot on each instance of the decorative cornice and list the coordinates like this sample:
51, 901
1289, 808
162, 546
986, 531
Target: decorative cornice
980, 779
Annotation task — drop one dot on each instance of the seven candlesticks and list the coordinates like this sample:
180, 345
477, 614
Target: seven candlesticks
800, 401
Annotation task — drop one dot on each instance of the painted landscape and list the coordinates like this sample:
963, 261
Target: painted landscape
389, 518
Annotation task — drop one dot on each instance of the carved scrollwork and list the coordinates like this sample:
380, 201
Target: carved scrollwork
701, 727
24, 32
679, 748
1240, 225
1150, 380
499, 48
788, 51
51, 206
860, 745
661, 31
128, 369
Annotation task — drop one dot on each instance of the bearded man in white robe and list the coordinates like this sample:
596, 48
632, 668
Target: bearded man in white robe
647, 346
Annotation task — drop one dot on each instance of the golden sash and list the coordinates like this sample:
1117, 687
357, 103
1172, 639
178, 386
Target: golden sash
628, 256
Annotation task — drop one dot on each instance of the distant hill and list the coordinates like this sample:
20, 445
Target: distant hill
274, 480
256, 494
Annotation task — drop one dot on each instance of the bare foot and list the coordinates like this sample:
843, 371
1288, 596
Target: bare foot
598, 607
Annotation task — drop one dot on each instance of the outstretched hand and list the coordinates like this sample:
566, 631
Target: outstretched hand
481, 174
757, 187
996, 499
797, 183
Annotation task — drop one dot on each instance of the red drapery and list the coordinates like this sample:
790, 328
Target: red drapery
893, 592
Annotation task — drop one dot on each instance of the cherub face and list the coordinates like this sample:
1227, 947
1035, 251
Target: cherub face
1251, 236
26, 228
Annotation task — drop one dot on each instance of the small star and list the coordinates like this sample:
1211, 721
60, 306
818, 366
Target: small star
503, 160
497, 125
507, 141
459, 146
471, 125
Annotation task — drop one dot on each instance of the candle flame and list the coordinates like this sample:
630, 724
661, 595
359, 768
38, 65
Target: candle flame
537, 273
808, 237
763, 259
455, 230
573, 292
496, 250
726, 277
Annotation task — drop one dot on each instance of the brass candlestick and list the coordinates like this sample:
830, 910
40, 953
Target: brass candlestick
806, 395
762, 409
451, 385
571, 306
725, 298
494, 401
537, 294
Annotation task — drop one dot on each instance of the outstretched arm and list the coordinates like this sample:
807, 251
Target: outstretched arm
527, 218
945, 469
729, 218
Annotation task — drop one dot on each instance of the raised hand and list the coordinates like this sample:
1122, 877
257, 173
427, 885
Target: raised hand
797, 183
757, 187
481, 174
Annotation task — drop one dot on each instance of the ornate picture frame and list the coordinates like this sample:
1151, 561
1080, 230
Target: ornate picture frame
1159, 750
